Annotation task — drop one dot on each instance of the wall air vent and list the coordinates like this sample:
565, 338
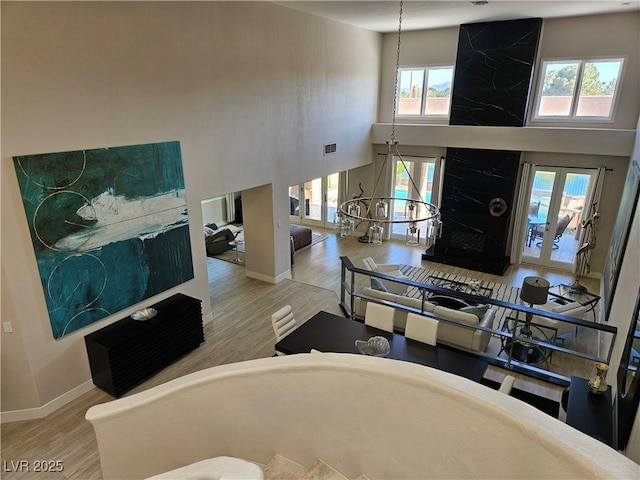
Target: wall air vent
329, 148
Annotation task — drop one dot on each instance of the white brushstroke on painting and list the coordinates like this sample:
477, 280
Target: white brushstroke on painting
118, 218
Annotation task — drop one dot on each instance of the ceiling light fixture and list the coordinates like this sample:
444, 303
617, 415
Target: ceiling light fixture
415, 212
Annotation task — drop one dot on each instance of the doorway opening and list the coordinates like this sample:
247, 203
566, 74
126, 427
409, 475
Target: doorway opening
315, 202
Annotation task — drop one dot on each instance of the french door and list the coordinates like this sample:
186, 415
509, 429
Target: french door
558, 199
315, 202
424, 186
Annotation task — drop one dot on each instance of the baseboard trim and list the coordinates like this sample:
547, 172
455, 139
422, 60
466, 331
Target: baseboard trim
207, 318
48, 408
265, 278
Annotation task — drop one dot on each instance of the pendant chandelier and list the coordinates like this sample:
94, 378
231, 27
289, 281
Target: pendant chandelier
417, 214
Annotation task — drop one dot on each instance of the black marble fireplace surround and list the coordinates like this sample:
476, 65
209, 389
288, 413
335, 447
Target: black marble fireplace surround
493, 75
472, 237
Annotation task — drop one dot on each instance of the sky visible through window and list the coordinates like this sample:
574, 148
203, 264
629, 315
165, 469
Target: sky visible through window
437, 77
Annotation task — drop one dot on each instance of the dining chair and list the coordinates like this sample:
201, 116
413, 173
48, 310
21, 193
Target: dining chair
507, 384
421, 328
561, 226
379, 316
283, 323
534, 208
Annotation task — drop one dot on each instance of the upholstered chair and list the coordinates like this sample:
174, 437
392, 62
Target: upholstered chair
283, 323
421, 328
379, 316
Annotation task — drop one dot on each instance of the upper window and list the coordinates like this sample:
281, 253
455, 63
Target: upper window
413, 82
578, 89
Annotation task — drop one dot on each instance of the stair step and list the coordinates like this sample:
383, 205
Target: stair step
321, 471
282, 468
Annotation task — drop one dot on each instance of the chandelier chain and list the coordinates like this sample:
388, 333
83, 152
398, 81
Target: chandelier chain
395, 90
416, 210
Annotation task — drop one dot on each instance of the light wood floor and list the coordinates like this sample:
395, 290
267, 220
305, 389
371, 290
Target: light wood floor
240, 330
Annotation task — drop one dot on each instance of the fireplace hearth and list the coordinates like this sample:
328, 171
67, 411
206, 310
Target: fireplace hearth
467, 242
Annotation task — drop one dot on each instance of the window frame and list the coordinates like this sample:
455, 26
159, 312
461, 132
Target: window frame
423, 102
575, 99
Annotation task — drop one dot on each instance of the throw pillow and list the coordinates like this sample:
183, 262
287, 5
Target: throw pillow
477, 310
377, 285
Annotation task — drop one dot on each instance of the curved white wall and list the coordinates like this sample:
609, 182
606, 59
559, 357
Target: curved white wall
362, 415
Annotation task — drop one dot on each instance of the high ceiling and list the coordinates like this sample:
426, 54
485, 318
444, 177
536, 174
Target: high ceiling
382, 16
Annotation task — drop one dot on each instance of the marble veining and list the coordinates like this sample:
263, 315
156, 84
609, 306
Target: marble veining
493, 75
471, 236
494, 70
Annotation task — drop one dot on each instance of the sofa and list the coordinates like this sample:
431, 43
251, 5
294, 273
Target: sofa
448, 332
217, 239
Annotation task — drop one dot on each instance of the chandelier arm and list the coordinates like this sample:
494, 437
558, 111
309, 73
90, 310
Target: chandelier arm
432, 211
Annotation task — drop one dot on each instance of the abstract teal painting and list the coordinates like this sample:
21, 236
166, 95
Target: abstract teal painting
109, 228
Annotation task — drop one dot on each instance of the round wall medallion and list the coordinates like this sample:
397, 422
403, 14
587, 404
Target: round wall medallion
497, 207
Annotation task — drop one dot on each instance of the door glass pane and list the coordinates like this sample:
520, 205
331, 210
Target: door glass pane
558, 89
539, 202
410, 91
422, 171
294, 200
332, 196
313, 199
568, 227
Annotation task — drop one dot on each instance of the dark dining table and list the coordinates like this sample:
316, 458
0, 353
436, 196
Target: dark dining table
327, 332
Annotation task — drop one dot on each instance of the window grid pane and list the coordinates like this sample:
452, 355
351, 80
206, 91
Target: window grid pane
424, 91
598, 87
411, 83
438, 90
558, 89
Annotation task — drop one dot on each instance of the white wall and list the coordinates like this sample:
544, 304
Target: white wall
214, 210
621, 316
250, 89
623, 304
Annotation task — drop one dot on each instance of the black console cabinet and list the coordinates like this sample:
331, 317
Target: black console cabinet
589, 413
125, 353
